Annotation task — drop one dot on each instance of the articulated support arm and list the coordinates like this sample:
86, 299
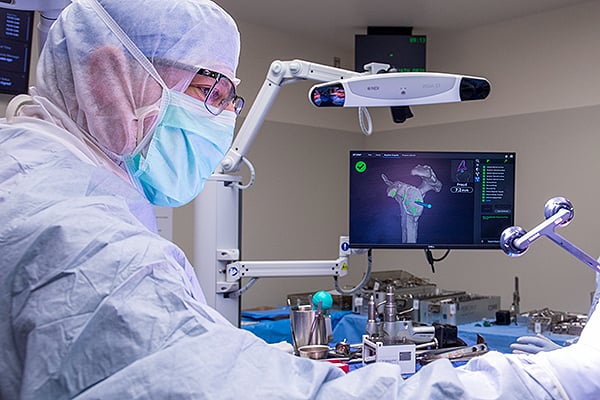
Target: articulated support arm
280, 73
278, 269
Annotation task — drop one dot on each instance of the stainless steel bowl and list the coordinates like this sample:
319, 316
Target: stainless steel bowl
315, 352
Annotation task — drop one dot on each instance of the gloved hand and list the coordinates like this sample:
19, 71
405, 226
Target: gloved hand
533, 344
283, 346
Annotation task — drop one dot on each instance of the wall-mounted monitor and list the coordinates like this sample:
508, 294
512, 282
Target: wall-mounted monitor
418, 199
16, 30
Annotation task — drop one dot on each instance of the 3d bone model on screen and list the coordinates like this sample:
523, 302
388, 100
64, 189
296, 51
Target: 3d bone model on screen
412, 199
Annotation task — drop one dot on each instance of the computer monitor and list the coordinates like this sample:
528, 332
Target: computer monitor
429, 200
16, 31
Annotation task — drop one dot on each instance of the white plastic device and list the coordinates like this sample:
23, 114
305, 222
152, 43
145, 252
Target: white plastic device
399, 89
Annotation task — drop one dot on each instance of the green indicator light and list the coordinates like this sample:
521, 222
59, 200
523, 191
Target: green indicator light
393, 192
360, 166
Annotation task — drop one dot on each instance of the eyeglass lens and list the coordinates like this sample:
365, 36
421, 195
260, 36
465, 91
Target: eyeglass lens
220, 96
221, 93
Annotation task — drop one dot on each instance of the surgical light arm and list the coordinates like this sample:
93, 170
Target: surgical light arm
558, 211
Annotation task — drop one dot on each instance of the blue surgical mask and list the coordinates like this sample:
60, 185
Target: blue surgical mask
181, 151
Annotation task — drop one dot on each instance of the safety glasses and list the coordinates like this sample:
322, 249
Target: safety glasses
218, 92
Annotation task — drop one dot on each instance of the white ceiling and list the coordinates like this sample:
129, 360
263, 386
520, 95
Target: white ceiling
337, 21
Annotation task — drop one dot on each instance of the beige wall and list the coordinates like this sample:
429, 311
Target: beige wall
556, 156
540, 63
544, 105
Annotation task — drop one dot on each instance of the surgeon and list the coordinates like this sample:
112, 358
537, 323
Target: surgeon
134, 106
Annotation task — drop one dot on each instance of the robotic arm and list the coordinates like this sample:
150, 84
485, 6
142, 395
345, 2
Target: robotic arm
559, 212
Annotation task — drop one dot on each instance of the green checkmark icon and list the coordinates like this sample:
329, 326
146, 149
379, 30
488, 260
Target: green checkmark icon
360, 166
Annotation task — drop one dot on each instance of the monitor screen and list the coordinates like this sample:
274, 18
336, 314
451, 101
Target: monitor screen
16, 30
447, 200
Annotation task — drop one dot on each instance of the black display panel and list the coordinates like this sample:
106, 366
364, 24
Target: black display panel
447, 200
404, 53
16, 29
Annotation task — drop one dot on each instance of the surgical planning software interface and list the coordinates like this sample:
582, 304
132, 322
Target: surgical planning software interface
430, 199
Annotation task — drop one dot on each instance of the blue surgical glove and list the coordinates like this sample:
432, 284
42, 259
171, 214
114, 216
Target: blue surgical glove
533, 344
